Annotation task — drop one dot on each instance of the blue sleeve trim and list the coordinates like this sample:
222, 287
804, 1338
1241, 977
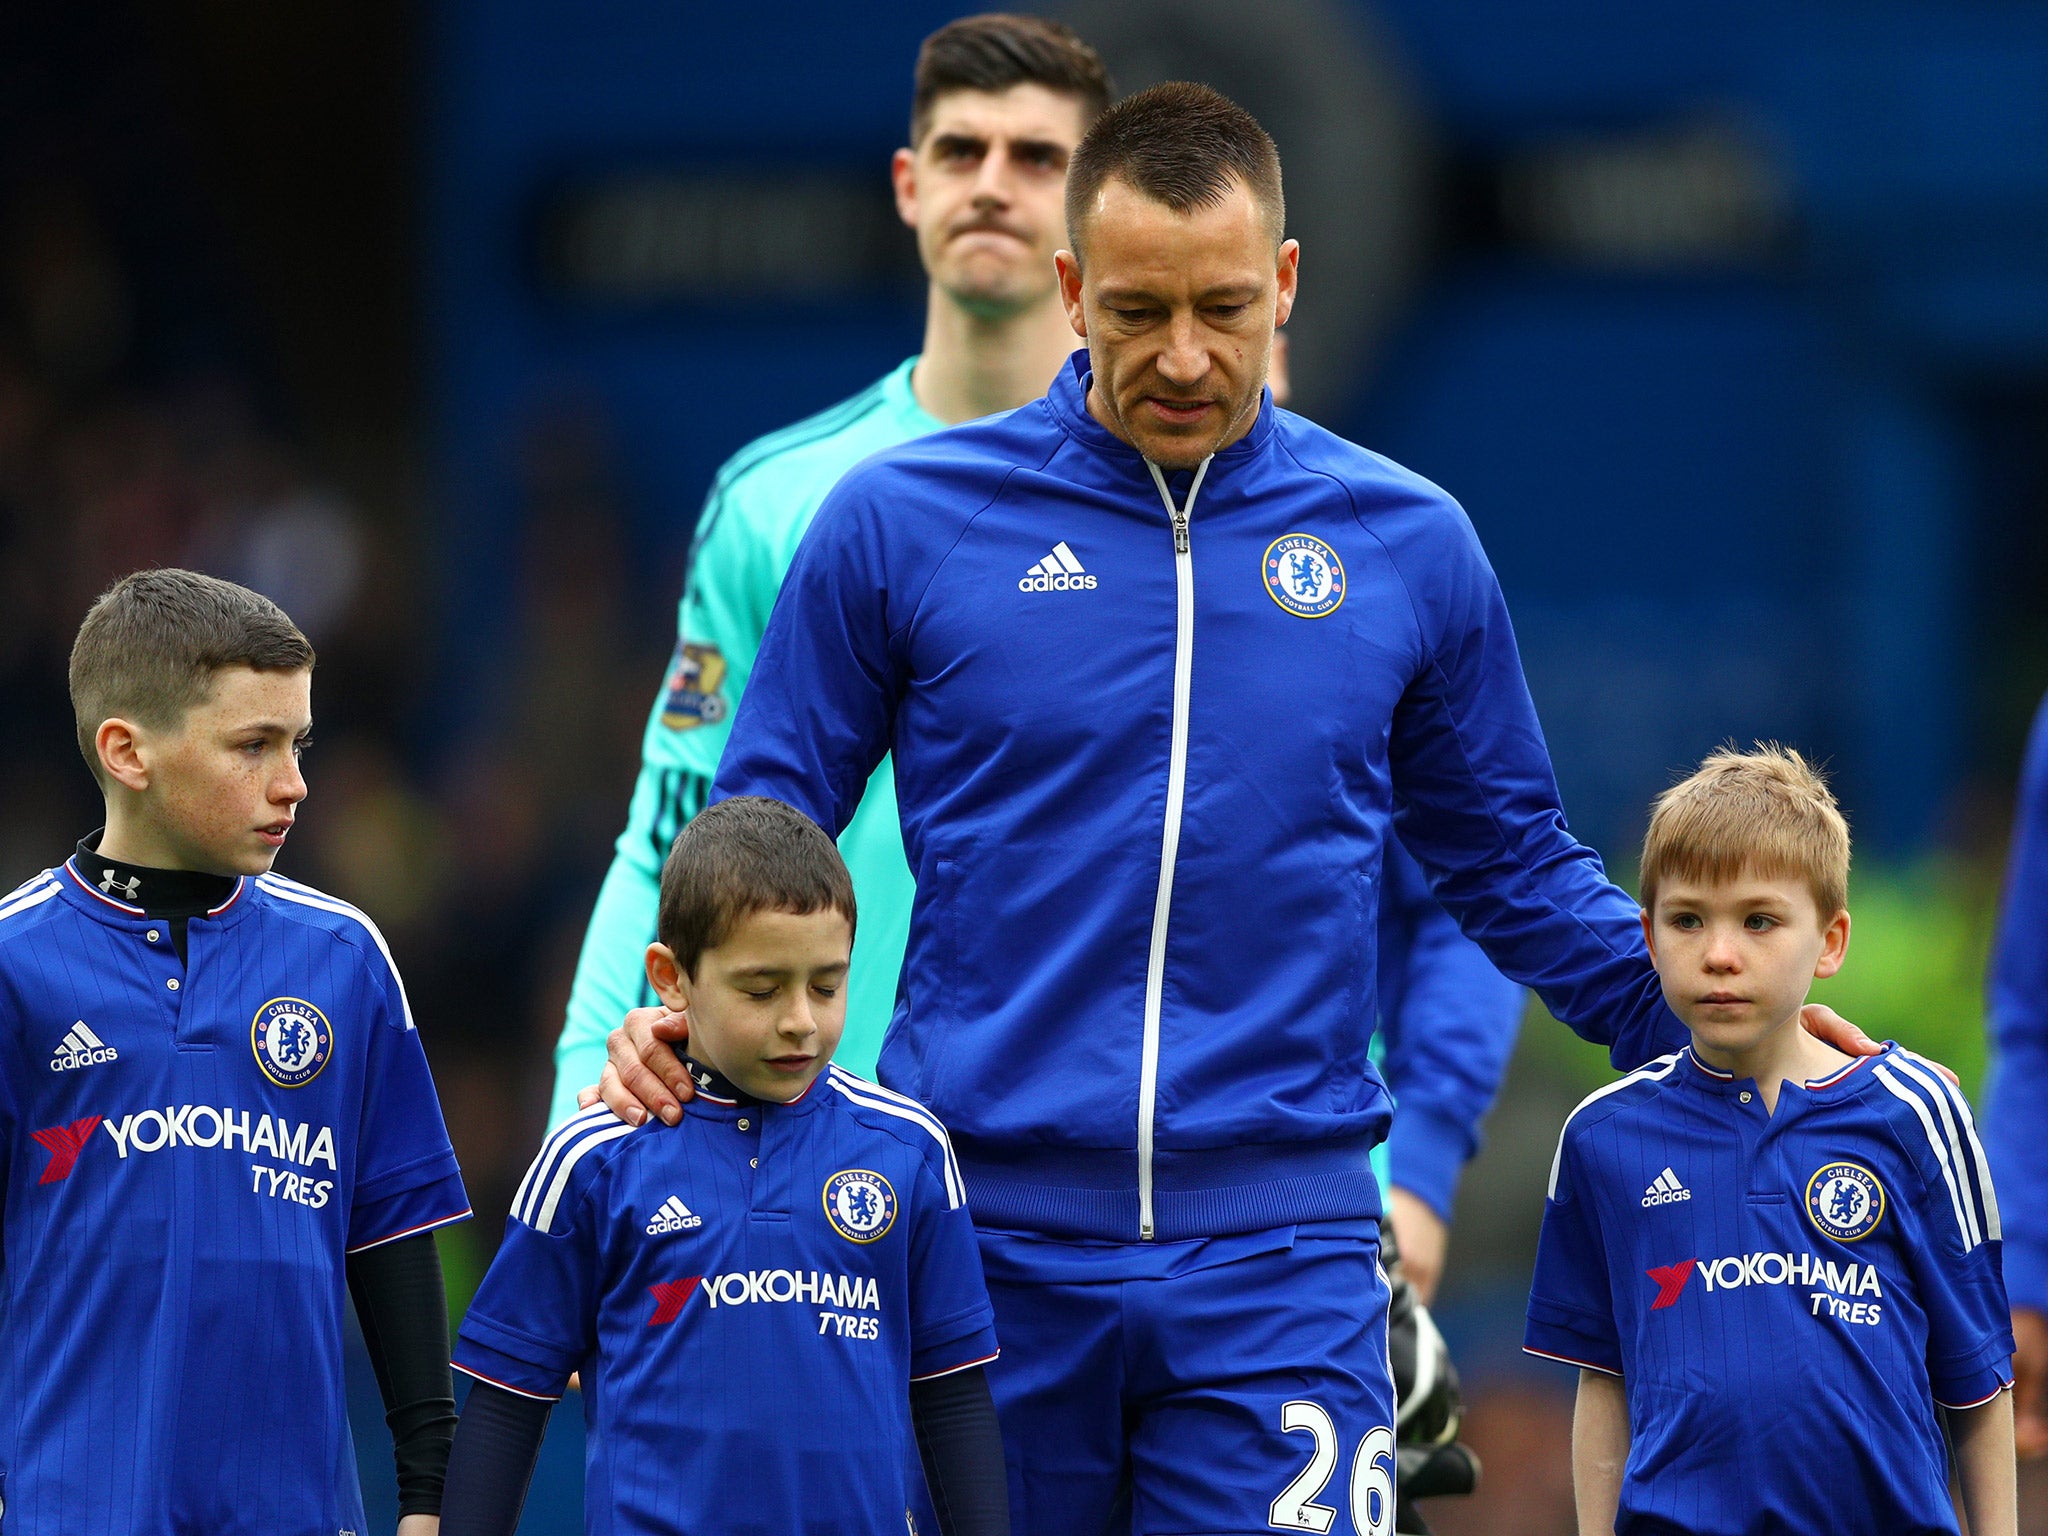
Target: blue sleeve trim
1426, 1154
1558, 1335
506, 1357
433, 1203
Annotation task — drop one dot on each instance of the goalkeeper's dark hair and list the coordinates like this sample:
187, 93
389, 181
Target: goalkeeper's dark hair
997, 50
745, 855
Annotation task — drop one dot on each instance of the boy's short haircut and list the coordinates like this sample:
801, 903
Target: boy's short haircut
995, 51
1767, 811
1180, 144
150, 646
745, 855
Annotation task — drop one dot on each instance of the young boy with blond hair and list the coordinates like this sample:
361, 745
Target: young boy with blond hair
1772, 1262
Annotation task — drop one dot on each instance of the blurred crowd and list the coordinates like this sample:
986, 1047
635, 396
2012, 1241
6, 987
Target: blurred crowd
479, 859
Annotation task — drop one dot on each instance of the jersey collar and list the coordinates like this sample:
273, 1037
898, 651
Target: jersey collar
1841, 1083
718, 1092
82, 887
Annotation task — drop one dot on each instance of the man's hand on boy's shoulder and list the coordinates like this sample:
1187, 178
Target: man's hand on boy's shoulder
1824, 1023
643, 1071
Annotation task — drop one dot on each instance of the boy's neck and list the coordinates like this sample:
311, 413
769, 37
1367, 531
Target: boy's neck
131, 838
159, 891
1787, 1052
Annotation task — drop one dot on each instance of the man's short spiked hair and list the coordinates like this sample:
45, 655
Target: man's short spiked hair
745, 855
1766, 811
997, 50
150, 646
1180, 144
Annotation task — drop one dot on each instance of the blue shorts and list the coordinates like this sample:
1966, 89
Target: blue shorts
1235, 1385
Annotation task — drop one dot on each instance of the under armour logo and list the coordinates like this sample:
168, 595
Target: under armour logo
124, 888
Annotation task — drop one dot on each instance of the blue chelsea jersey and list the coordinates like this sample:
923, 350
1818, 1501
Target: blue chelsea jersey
188, 1150
1786, 1296
748, 1296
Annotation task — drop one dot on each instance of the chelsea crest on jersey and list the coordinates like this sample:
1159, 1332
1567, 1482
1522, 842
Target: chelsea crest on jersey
192, 1146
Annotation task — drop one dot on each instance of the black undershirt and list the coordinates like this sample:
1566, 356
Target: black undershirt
397, 1288
176, 895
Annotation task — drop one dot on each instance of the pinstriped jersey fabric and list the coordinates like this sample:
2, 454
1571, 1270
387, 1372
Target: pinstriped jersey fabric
759, 508
180, 1197
1786, 1297
748, 1296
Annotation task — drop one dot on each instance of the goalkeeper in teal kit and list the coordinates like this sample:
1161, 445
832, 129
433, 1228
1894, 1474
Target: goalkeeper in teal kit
999, 104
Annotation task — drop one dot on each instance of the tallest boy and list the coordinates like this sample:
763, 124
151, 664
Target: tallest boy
1146, 807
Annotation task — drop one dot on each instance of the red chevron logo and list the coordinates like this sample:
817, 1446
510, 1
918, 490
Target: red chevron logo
669, 1296
65, 1142
1670, 1282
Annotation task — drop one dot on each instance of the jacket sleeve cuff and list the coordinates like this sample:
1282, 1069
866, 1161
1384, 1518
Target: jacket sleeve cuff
2025, 1261
1426, 1153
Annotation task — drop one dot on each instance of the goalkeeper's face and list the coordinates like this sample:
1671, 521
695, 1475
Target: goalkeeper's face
985, 189
767, 1004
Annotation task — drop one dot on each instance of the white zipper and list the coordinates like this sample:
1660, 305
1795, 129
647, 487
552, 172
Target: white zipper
1169, 846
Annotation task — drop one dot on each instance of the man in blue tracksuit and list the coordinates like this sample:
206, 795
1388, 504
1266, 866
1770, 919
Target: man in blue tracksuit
1161, 667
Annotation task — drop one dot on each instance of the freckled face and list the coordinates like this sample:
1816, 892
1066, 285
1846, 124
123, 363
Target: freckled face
224, 785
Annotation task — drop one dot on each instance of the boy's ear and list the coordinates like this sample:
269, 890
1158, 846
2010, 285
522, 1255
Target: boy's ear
1834, 946
666, 977
1649, 933
119, 745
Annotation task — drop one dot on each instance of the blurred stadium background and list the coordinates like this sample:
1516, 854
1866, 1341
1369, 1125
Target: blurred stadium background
1728, 323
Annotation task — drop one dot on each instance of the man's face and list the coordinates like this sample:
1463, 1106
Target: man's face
985, 191
767, 1005
224, 784
1178, 310
1737, 957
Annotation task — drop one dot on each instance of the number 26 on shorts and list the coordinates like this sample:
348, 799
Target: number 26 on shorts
1372, 1477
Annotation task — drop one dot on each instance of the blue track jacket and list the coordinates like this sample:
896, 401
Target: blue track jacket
2018, 1001
1150, 734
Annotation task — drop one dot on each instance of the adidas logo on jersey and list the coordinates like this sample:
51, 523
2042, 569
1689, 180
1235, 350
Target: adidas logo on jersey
1665, 1190
1059, 571
80, 1047
674, 1216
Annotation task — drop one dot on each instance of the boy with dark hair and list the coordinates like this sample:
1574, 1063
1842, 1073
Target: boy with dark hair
1772, 1262
214, 1109
770, 1302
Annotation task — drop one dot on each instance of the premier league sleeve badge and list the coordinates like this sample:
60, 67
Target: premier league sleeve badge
292, 1041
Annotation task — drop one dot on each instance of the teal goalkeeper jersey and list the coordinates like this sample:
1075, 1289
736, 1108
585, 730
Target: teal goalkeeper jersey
760, 504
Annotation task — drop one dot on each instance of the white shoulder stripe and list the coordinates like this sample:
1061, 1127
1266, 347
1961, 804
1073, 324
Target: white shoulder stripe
545, 1221
306, 896
552, 1148
1649, 1072
33, 883
862, 1092
15, 906
1926, 1080
1899, 1090
1994, 1229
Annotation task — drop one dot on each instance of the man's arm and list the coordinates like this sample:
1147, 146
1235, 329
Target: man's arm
2013, 1127
1599, 1451
1984, 1466
1449, 1021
